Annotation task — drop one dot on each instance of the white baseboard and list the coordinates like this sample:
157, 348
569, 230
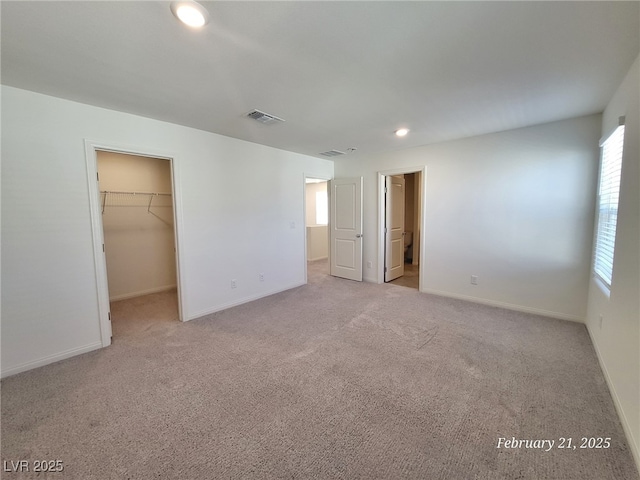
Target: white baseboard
41, 362
241, 301
633, 445
140, 293
508, 306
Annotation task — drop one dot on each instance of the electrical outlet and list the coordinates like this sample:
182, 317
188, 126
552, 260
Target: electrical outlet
261, 277
233, 283
369, 265
474, 279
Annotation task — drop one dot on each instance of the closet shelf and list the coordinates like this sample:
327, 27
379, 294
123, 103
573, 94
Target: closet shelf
135, 199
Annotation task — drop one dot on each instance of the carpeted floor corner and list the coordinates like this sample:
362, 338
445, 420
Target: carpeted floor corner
332, 380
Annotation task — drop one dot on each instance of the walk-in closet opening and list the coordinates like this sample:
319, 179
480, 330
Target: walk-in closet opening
136, 199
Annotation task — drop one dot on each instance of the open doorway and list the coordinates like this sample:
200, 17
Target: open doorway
401, 225
136, 196
139, 188
317, 225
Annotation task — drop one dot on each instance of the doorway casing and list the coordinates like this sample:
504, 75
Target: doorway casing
422, 192
91, 149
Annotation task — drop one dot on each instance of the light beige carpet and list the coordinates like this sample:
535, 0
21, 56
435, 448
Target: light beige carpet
335, 380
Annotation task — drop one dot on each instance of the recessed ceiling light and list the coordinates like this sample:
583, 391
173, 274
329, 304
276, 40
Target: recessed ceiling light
401, 132
190, 13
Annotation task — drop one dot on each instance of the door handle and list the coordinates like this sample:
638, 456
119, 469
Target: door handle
359, 235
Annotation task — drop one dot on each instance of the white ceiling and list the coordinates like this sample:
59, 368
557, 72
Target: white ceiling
342, 74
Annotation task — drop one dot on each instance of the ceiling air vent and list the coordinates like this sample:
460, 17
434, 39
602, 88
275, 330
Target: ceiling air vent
332, 153
264, 117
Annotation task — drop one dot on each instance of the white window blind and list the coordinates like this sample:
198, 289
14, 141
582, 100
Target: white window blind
608, 195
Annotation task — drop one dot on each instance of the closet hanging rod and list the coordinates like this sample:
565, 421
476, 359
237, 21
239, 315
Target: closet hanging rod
135, 193
118, 196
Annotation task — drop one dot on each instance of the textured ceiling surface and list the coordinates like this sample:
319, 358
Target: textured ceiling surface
342, 74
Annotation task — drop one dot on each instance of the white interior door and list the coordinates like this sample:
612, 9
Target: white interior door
346, 228
394, 227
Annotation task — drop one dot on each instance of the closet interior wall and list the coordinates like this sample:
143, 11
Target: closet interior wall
137, 219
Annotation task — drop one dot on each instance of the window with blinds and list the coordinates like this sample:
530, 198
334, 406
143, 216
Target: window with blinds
322, 208
608, 195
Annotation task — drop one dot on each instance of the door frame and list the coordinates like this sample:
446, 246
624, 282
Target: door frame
327, 179
381, 217
97, 230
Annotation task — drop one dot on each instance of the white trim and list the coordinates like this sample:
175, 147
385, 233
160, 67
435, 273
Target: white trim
621, 121
178, 232
141, 293
508, 306
242, 301
381, 213
602, 285
633, 446
41, 362
91, 147
97, 235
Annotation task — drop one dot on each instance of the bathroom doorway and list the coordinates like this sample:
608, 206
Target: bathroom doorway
401, 222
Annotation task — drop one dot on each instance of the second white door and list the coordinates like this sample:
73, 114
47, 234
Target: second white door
346, 228
394, 227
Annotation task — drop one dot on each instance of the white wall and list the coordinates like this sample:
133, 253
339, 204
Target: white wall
514, 208
138, 236
618, 340
240, 205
